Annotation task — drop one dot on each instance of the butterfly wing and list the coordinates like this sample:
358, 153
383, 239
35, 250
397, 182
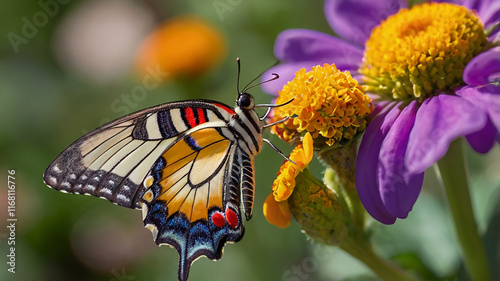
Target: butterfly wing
179, 162
193, 198
112, 161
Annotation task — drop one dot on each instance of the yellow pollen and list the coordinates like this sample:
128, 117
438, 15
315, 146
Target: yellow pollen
415, 52
327, 102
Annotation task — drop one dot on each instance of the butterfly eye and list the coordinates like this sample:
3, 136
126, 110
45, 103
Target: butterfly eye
246, 101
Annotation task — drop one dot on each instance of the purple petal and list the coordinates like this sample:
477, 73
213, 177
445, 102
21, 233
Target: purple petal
483, 140
488, 11
487, 98
287, 72
309, 45
439, 121
495, 35
354, 20
378, 106
367, 161
484, 68
398, 187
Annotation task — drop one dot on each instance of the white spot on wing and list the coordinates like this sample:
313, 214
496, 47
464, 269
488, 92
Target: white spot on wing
106, 191
52, 180
90, 188
153, 229
144, 210
56, 169
122, 198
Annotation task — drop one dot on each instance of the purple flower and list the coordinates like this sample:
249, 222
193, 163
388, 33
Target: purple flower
416, 119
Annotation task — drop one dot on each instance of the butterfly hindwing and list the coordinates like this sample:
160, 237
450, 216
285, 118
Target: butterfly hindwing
192, 207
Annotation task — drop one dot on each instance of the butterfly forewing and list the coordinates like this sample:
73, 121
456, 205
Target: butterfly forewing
112, 161
188, 165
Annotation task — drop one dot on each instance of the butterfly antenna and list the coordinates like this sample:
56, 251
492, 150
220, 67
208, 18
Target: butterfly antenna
274, 105
275, 76
278, 150
247, 87
238, 79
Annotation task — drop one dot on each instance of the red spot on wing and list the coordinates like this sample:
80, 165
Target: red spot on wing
232, 218
189, 115
229, 110
218, 219
201, 116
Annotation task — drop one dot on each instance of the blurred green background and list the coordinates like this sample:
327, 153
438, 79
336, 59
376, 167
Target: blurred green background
54, 87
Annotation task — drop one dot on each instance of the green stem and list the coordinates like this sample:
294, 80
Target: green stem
342, 160
454, 179
383, 268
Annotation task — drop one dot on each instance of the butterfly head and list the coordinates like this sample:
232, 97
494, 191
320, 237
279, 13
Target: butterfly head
245, 101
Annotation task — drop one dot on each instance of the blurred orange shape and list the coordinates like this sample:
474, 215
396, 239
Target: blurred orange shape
182, 46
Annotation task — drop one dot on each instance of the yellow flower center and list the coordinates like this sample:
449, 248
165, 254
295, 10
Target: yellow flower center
417, 51
326, 102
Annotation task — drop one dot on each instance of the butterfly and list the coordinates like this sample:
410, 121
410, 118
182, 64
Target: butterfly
188, 165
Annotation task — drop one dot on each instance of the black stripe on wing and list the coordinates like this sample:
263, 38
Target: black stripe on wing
166, 126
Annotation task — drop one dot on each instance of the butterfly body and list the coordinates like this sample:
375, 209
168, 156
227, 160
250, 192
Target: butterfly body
188, 165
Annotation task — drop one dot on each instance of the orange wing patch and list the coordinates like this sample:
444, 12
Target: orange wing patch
193, 177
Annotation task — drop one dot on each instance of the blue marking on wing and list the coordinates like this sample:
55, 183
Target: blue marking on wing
192, 143
190, 239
